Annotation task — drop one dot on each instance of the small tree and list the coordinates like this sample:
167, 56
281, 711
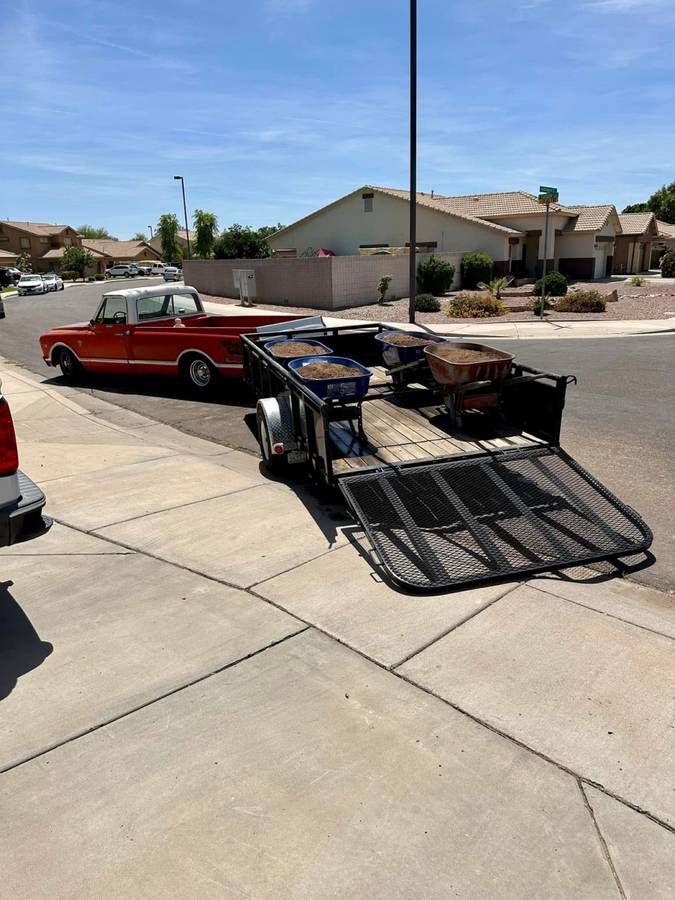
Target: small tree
496, 286
24, 263
139, 236
383, 287
77, 259
475, 267
434, 276
241, 242
556, 285
206, 226
167, 228
92, 232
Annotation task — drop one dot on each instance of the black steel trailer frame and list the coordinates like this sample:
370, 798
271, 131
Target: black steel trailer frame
469, 517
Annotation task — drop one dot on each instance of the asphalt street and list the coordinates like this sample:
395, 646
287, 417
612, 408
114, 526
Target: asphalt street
619, 421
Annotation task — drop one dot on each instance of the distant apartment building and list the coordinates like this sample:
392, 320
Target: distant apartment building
44, 243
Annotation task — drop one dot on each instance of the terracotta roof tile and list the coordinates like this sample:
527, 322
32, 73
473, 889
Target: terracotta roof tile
665, 229
42, 229
115, 249
635, 223
440, 204
504, 203
588, 218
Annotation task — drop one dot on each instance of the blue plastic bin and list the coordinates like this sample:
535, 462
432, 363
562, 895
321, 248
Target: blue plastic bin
351, 387
285, 360
395, 355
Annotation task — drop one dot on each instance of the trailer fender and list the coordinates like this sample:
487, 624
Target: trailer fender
278, 432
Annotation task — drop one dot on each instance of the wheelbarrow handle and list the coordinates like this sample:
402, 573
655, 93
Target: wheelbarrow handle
523, 379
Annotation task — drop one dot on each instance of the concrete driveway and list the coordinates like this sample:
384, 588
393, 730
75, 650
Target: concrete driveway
207, 691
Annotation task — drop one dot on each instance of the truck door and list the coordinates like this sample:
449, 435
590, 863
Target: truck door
105, 347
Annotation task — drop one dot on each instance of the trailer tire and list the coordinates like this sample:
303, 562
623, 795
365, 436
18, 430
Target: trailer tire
275, 463
198, 373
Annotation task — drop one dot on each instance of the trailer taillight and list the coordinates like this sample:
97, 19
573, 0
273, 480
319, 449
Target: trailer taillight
9, 457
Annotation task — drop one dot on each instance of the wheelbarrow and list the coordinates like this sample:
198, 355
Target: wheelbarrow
468, 385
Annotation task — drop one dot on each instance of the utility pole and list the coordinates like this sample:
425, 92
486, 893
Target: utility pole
151, 234
412, 290
187, 227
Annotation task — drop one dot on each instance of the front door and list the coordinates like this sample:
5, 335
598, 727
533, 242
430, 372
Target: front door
600, 261
105, 346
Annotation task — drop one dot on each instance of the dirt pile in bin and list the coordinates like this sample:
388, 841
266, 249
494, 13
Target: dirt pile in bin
328, 370
407, 340
461, 357
296, 348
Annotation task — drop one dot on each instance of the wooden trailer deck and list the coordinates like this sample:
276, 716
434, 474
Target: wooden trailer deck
397, 433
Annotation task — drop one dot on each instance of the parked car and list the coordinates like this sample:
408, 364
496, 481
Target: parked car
122, 270
144, 269
171, 273
53, 281
21, 501
31, 284
160, 330
9, 276
157, 269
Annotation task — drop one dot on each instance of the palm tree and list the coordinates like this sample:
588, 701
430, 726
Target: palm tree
496, 286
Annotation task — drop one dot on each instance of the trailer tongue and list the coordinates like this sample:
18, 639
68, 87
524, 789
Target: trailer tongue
489, 516
455, 483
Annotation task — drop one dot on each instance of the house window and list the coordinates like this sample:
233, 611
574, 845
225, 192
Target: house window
367, 202
25, 244
44, 240
67, 242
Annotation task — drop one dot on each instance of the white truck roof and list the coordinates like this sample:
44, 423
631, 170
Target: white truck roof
153, 291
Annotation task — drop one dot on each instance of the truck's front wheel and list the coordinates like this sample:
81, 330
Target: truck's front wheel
199, 373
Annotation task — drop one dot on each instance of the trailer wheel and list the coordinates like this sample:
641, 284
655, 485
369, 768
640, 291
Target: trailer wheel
199, 373
276, 463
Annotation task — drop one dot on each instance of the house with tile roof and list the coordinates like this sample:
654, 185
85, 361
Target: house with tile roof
111, 251
666, 238
43, 242
508, 226
182, 237
633, 246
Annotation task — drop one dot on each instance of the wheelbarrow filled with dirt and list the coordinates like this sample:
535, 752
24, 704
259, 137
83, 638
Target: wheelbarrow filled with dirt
471, 376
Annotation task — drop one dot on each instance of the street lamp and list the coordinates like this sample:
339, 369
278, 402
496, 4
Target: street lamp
151, 234
187, 230
412, 289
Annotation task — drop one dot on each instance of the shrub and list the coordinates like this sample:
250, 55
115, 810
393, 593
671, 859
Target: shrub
427, 303
474, 306
69, 275
538, 305
496, 286
668, 264
636, 280
556, 285
475, 267
383, 287
582, 302
99, 277
434, 276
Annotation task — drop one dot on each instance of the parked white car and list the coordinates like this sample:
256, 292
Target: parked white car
122, 270
157, 269
171, 273
53, 281
31, 284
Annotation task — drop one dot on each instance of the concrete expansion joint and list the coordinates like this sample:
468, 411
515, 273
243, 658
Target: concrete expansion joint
602, 841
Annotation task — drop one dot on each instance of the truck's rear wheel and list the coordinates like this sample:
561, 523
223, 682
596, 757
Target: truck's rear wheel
69, 364
199, 373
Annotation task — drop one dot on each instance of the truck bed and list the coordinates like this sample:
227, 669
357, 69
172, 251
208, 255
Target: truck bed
397, 433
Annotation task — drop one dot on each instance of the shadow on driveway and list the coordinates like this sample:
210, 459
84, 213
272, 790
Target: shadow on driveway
21, 649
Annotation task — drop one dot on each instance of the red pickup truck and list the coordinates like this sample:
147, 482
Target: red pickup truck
154, 331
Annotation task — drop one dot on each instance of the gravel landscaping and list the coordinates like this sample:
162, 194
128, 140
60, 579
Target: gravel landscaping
652, 300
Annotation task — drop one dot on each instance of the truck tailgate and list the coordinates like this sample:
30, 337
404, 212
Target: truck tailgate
473, 519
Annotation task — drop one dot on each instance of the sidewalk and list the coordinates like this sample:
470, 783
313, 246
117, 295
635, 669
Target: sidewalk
531, 330
207, 690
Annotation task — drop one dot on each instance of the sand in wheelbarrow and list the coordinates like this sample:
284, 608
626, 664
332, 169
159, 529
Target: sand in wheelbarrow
328, 370
408, 340
460, 356
296, 348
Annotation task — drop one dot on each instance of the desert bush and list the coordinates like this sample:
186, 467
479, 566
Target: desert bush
581, 302
99, 277
69, 275
383, 287
434, 276
474, 306
475, 267
427, 303
637, 280
556, 285
668, 264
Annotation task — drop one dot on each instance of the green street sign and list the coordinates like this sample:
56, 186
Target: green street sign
548, 194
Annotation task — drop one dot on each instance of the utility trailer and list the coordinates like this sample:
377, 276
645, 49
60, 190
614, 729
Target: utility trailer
445, 500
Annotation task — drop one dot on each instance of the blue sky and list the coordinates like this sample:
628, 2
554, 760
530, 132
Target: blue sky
271, 108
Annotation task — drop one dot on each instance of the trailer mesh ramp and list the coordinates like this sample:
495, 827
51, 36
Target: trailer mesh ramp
469, 520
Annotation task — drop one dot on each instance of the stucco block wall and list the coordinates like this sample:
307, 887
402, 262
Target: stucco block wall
332, 282
344, 227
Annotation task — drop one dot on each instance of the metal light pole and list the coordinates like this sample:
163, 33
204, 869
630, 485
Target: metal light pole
413, 162
187, 229
151, 234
